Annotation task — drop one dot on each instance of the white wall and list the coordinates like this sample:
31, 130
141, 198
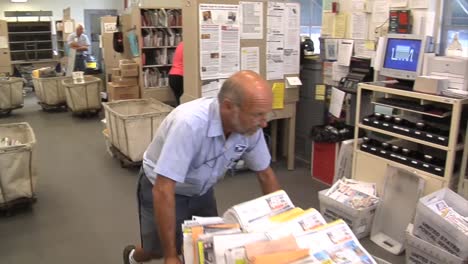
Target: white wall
57, 6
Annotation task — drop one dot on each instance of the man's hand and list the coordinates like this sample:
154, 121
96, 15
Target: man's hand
172, 260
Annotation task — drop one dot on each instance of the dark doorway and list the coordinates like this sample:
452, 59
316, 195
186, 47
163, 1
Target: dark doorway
92, 20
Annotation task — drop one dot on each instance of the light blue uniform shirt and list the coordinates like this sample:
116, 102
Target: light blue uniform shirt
82, 40
190, 148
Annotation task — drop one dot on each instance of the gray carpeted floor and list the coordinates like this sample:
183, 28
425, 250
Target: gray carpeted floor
86, 210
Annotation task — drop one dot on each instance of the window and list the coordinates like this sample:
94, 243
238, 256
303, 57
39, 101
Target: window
311, 21
455, 21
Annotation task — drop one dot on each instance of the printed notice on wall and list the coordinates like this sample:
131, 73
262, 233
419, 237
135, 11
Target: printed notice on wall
275, 41
250, 59
340, 24
292, 40
278, 95
68, 27
364, 48
327, 5
359, 5
345, 51
251, 14
219, 41
110, 27
210, 88
336, 102
359, 25
398, 3
328, 20
380, 11
419, 4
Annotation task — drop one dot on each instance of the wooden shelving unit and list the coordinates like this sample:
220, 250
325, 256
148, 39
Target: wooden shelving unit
445, 164
5, 58
62, 37
159, 31
30, 41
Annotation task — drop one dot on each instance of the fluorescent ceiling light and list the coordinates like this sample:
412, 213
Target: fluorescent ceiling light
18, 1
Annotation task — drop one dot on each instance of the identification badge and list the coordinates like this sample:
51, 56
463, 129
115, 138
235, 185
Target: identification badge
240, 147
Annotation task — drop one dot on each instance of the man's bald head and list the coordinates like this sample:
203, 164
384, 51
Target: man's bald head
243, 86
245, 100
79, 29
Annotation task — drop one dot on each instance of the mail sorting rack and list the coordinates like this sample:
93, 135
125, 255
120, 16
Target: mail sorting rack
422, 134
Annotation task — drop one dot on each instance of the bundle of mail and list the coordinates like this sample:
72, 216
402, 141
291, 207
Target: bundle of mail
355, 194
154, 78
270, 230
459, 221
8, 142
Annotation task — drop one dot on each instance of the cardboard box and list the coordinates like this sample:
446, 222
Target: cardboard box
431, 84
118, 92
128, 65
421, 251
360, 221
115, 72
434, 229
124, 81
129, 73
110, 57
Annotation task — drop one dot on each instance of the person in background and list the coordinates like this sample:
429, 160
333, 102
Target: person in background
193, 148
176, 74
80, 42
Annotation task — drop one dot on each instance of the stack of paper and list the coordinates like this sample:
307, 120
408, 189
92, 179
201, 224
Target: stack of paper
8, 142
159, 18
304, 222
198, 238
283, 250
152, 77
270, 230
261, 213
333, 243
459, 221
355, 194
230, 248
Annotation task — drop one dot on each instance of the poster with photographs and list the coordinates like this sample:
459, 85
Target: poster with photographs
219, 40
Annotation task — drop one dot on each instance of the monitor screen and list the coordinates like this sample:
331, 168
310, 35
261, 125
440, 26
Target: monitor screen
402, 54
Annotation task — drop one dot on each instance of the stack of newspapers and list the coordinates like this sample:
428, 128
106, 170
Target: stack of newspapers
270, 230
355, 194
449, 214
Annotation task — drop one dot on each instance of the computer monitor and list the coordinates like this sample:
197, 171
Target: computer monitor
403, 57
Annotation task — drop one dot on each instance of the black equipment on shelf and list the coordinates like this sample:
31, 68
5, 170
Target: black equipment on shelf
360, 70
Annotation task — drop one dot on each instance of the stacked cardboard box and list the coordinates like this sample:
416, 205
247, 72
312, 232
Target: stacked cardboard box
124, 81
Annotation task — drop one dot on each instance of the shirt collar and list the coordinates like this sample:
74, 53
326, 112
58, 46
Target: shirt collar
215, 128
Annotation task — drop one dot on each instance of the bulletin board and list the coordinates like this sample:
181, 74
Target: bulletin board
193, 76
363, 22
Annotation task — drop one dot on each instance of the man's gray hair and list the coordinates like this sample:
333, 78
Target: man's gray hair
231, 90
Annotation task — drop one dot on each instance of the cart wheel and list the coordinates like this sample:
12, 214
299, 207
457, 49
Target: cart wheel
5, 112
